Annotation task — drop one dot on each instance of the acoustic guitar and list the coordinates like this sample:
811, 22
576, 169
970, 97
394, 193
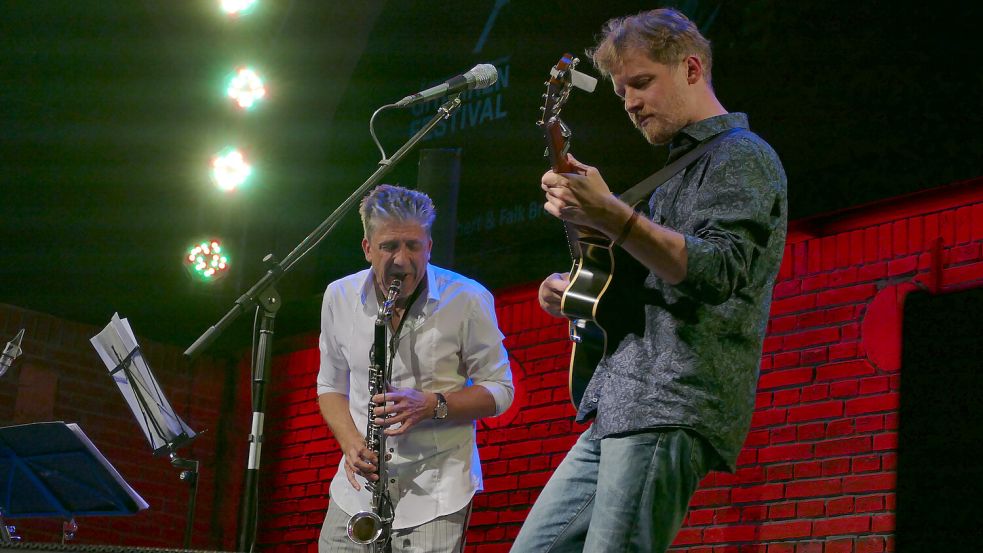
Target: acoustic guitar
598, 301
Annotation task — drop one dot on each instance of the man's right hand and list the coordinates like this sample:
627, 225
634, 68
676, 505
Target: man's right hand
551, 291
362, 461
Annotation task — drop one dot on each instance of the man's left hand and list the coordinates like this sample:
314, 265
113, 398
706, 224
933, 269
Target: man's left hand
403, 406
582, 198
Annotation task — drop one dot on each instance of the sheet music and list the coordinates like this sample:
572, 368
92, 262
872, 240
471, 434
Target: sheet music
53, 469
97, 455
160, 425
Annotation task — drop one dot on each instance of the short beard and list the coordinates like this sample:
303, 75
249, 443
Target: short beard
661, 140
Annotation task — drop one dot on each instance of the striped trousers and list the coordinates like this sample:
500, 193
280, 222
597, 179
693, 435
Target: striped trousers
444, 534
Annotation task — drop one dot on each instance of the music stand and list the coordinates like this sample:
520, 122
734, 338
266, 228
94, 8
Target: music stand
52, 469
164, 430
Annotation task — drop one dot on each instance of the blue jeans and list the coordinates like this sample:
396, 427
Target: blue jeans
619, 494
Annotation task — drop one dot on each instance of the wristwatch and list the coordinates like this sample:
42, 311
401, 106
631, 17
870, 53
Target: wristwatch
440, 411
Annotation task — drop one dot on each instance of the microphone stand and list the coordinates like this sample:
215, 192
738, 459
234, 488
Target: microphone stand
265, 298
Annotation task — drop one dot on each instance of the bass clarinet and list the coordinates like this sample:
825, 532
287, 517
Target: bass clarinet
373, 527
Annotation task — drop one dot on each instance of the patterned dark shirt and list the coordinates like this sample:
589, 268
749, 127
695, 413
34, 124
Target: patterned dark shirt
696, 366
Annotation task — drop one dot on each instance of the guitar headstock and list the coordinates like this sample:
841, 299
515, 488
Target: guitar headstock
564, 77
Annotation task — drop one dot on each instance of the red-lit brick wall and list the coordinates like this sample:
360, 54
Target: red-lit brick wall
60, 377
817, 474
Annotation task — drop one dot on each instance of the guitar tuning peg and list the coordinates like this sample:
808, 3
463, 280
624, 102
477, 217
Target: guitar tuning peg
542, 108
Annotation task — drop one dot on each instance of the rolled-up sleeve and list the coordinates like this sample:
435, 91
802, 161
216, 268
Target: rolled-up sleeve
333, 373
484, 353
734, 221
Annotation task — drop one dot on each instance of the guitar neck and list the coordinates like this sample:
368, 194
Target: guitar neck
557, 143
573, 239
560, 164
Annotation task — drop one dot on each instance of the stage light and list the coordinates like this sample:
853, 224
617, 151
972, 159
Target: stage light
237, 7
246, 88
206, 261
230, 169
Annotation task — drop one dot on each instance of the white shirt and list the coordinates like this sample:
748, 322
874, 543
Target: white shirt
449, 339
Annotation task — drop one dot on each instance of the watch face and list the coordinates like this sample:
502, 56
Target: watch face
440, 411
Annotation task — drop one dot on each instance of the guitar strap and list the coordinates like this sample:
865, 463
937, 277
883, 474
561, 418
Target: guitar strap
644, 189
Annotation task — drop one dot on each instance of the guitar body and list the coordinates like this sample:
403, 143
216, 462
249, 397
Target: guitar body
601, 309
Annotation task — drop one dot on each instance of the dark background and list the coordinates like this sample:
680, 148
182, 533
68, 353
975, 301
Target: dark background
110, 111
939, 435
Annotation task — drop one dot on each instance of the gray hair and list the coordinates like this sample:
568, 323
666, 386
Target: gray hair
395, 203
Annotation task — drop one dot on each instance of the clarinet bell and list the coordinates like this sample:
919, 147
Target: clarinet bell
365, 527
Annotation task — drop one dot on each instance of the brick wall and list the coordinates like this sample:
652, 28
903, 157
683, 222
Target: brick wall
817, 474
60, 377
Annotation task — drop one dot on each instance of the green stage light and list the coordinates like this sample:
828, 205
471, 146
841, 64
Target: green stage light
206, 261
246, 88
230, 169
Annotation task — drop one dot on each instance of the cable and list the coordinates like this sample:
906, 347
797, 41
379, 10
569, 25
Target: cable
375, 139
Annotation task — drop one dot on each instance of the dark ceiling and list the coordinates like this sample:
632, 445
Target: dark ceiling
109, 112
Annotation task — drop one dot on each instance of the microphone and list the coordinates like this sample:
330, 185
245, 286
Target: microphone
482, 75
11, 352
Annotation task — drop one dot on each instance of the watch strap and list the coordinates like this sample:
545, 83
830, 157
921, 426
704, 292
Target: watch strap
440, 410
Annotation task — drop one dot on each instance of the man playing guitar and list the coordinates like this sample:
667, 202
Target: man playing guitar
673, 400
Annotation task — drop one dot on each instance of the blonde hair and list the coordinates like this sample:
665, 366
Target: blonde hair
665, 34
395, 203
